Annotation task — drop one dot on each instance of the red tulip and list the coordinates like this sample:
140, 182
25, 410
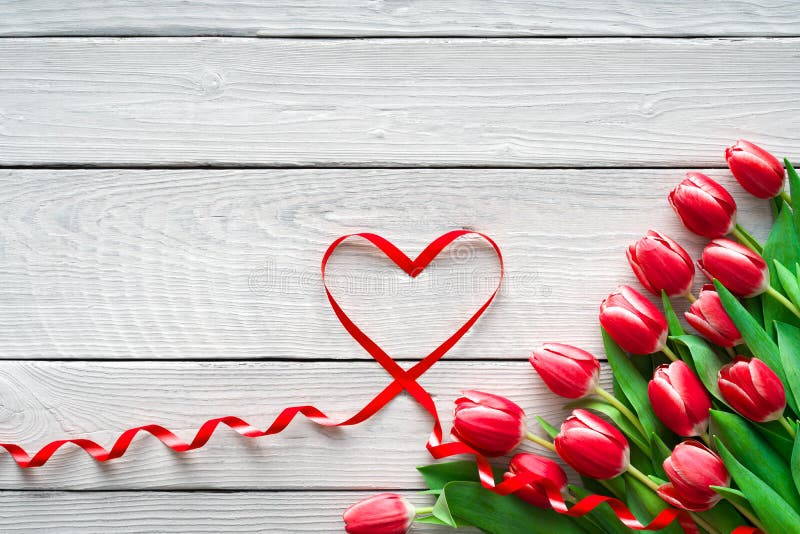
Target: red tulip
387, 513
544, 469
752, 389
661, 264
679, 399
633, 322
738, 268
708, 317
691, 469
568, 371
703, 206
757, 171
592, 447
490, 424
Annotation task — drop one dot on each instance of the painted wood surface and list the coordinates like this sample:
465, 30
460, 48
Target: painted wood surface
199, 264
399, 18
185, 512
393, 102
44, 401
130, 296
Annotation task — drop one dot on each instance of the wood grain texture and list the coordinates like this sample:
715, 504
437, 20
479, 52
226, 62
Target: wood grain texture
43, 401
189, 513
198, 264
393, 102
399, 18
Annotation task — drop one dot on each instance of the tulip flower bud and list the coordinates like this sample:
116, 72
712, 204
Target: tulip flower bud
490, 424
661, 264
703, 206
592, 447
757, 171
752, 389
535, 492
387, 513
708, 317
679, 399
738, 268
566, 370
691, 469
633, 322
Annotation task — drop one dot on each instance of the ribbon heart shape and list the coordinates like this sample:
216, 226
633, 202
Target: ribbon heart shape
402, 379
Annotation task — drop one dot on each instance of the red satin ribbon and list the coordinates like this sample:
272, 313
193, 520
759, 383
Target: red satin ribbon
402, 380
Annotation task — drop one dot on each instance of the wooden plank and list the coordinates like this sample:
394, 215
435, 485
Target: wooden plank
393, 102
43, 401
410, 18
198, 264
196, 512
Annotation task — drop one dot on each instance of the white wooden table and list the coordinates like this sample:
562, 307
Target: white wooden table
173, 171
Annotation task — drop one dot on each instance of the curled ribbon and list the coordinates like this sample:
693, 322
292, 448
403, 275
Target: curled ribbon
402, 380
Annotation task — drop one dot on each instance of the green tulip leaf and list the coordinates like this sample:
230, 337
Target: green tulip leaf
782, 246
707, 362
645, 504
437, 475
749, 241
773, 511
756, 337
659, 452
724, 516
794, 190
788, 282
755, 454
795, 462
470, 503
550, 429
633, 385
430, 520
675, 327
789, 343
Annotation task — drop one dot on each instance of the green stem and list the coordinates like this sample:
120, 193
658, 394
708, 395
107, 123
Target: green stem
731, 352
706, 438
774, 293
746, 239
424, 510
786, 197
629, 415
671, 355
642, 478
690, 297
708, 527
541, 441
788, 426
748, 514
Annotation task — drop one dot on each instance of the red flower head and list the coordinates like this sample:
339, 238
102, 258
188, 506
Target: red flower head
691, 469
738, 268
708, 317
568, 371
752, 389
633, 322
757, 171
679, 399
490, 424
387, 513
544, 469
661, 264
592, 447
703, 206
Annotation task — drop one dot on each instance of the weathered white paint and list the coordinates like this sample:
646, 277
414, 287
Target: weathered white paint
204, 264
43, 401
398, 102
189, 513
399, 18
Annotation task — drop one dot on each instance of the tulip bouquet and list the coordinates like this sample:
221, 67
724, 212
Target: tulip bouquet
699, 433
